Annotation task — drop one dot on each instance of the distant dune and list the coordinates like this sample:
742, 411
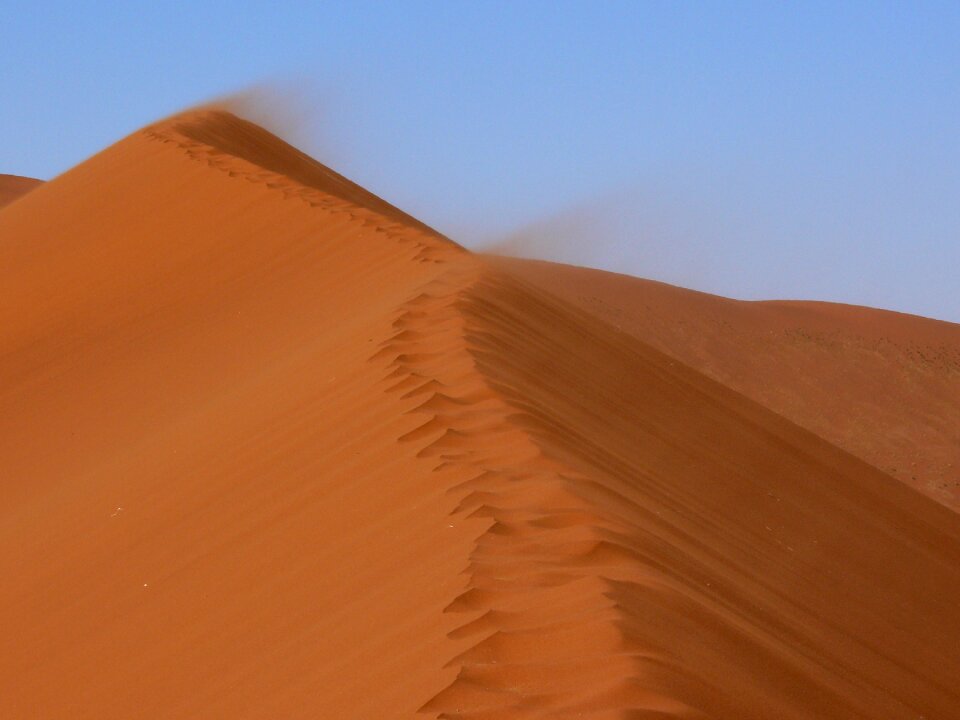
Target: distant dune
13, 186
271, 448
884, 386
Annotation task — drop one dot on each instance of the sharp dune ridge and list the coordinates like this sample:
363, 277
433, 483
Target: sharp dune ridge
273, 448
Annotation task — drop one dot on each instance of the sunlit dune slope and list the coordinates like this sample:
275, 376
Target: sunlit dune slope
271, 448
13, 186
882, 385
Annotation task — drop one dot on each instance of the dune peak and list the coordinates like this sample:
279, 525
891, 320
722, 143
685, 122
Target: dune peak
229, 141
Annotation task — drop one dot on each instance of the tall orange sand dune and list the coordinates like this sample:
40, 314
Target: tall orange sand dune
271, 448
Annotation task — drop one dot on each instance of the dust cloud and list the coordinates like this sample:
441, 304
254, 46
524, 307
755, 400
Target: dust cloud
642, 230
296, 110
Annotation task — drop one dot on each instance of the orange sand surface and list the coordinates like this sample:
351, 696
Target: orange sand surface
884, 386
13, 186
273, 449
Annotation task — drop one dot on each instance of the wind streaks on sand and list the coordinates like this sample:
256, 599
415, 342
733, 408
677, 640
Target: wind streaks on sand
365, 473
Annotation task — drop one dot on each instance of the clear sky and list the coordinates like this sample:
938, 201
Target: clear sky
757, 150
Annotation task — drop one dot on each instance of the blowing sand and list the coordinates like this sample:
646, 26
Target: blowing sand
271, 448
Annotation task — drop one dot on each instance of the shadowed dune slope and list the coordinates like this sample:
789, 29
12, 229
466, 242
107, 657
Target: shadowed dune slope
272, 449
13, 186
883, 385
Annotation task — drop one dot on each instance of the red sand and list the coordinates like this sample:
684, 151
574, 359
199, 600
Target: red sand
885, 386
273, 449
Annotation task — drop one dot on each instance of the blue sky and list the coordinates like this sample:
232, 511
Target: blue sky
756, 150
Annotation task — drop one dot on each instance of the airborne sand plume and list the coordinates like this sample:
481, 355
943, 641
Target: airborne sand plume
273, 448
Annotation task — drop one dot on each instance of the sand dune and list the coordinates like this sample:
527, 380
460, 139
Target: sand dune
883, 385
272, 448
13, 186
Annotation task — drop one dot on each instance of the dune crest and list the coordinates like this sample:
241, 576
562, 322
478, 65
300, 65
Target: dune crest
239, 147
272, 448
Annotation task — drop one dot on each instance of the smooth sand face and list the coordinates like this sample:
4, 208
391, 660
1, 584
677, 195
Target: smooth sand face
15, 186
272, 448
884, 386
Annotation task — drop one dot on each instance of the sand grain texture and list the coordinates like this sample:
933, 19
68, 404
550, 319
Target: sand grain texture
272, 448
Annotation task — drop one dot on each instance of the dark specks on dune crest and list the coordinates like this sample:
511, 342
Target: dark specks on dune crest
243, 149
